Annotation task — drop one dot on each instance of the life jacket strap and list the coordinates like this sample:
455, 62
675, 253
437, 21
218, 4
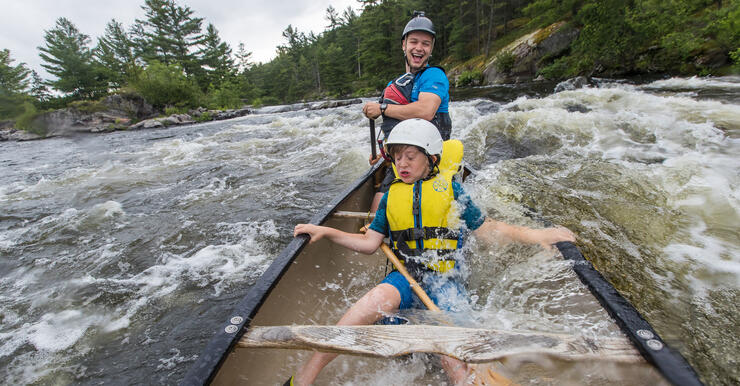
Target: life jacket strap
415, 234
417, 268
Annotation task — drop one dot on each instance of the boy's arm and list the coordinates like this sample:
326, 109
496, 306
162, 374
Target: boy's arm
496, 231
366, 243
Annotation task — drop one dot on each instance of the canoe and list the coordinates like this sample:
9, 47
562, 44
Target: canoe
296, 290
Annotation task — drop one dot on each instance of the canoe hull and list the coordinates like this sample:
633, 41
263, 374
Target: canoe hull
284, 295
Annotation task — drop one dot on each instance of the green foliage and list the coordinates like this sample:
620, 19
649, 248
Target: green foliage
468, 78
224, 97
204, 117
115, 52
504, 62
25, 120
68, 57
13, 83
13, 79
87, 106
171, 110
11, 105
735, 56
216, 65
725, 26
166, 85
168, 35
171, 61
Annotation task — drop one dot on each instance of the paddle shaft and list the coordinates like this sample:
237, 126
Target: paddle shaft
483, 376
372, 138
414, 284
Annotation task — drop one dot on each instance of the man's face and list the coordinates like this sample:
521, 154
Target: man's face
417, 47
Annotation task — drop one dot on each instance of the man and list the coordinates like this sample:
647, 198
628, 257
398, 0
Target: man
422, 92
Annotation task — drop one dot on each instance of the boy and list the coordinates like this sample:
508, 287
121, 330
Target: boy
420, 214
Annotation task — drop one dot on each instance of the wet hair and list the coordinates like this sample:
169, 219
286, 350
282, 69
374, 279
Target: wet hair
398, 147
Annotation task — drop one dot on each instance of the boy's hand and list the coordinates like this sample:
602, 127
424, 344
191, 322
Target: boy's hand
314, 231
549, 236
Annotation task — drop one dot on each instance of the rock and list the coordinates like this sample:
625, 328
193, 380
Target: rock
114, 112
527, 52
333, 103
579, 108
713, 57
197, 112
172, 120
306, 106
573, 83
129, 105
147, 124
487, 107
17, 135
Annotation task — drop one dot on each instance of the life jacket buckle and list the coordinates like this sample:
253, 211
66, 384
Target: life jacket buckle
416, 233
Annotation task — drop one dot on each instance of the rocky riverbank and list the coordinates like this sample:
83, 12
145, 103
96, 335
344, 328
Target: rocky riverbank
132, 112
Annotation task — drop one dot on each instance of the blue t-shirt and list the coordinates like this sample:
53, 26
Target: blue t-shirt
471, 214
435, 81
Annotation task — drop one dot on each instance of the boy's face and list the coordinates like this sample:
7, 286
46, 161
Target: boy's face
411, 164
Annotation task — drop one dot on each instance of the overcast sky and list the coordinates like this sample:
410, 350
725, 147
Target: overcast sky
257, 24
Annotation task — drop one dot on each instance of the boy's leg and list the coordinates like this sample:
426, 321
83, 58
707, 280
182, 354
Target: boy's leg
370, 308
450, 295
456, 370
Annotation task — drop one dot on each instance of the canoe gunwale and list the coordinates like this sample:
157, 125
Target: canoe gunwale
669, 362
227, 336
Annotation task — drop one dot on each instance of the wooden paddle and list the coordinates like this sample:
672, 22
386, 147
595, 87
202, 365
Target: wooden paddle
372, 138
481, 376
471, 345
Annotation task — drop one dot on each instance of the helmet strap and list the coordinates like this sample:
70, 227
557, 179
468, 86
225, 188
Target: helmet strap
433, 167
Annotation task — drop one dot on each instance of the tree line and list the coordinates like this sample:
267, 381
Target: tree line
170, 59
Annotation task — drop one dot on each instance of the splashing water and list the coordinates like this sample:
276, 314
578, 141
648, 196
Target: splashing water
120, 252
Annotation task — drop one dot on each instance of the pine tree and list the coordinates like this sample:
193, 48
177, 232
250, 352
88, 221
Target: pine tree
168, 35
115, 51
13, 79
243, 59
13, 83
39, 91
217, 66
68, 57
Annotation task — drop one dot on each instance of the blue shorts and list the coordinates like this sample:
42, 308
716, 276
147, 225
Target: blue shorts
444, 291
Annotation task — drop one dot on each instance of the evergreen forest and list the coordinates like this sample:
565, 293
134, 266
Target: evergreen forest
176, 61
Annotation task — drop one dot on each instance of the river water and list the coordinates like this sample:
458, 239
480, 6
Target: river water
121, 253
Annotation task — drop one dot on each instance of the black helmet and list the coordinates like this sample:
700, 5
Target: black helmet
419, 23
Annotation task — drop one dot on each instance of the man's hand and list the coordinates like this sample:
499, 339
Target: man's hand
371, 110
375, 160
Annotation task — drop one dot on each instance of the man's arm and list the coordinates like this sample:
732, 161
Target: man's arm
424, 108
499, 232
366, 243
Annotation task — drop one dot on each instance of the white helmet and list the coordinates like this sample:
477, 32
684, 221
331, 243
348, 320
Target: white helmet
418, 132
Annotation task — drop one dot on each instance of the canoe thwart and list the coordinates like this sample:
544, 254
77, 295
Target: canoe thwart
470, 345
359, 215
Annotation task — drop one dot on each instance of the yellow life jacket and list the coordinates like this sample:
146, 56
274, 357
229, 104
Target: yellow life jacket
421, 215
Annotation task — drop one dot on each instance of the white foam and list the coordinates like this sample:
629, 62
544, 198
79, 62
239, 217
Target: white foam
53, 332
696, 83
